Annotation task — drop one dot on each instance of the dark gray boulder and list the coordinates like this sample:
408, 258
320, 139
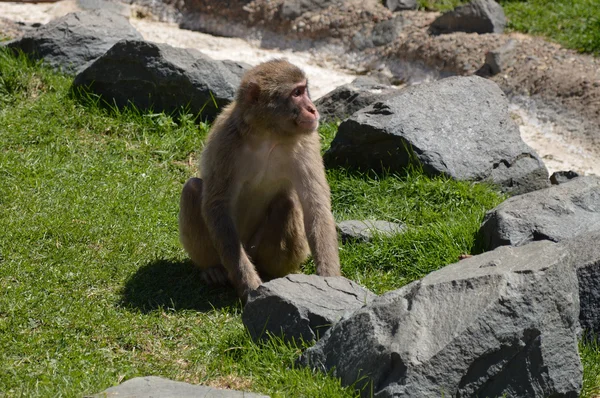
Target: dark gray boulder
343, 101
557, 213
152, 386
560, 177
478, 16
71, 41
503, 323
459, 127
399, 5
364, 230
292, 9
301, 307
159, 77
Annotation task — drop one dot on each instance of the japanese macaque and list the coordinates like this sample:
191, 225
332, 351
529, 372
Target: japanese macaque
262, 202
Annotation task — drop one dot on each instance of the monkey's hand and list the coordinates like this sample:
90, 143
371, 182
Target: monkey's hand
245, 287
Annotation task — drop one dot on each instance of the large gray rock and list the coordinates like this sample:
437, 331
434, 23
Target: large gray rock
301, 307
503, 323
152, 386
161, 78
343, 101
459, 127
557, 213
478, 16
69, 42
364, 230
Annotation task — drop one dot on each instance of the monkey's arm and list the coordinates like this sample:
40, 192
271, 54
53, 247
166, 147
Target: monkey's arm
216, 213
315, 198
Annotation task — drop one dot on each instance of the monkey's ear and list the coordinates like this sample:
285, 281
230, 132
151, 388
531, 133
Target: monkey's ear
252, 93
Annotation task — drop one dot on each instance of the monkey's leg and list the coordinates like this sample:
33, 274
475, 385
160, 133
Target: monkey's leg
279, 246
194, 235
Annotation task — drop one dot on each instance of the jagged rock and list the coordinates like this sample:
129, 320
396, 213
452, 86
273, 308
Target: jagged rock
560, 177
152, 386
399, 5
343, 101
478, 16
459, 127
301, 306
363, 230
557, 213
499, 59
161, 78
71, 41
503, 323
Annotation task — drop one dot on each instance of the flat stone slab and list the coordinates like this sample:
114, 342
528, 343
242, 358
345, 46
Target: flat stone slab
365, 230
158, 387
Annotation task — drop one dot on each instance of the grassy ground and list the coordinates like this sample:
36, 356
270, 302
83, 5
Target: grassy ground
573, 23
94, 286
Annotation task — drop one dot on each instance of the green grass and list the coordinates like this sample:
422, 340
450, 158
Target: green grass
574, 24
94, 286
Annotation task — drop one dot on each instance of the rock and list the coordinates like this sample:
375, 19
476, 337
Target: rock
586, 251
238, 68
381, 34
499, 59
344, 100
363, 230
161, 78
560, 177
502, 323
301, 306
459, 127
152, 386
71, 41
399, 5
557, 213
292, 9
478, 16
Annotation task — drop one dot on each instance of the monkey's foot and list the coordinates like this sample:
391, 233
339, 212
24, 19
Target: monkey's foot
216, 275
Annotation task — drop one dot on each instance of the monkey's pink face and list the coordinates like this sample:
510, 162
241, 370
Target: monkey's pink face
306, 116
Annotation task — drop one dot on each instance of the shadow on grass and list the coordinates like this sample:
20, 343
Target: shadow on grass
176, 285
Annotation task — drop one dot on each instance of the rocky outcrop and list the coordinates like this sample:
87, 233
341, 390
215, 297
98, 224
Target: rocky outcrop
301, 307
478, 16
557, 213
161, 78
503, 323
69, 42
459, 127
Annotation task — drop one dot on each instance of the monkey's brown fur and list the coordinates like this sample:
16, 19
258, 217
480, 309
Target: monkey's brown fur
262, 200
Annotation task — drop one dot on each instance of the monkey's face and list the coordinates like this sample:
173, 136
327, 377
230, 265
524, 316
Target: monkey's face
302, 115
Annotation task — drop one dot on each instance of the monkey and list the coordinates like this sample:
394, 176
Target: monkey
262, 203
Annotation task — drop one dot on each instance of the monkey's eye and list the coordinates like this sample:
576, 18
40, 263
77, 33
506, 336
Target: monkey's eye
298, 92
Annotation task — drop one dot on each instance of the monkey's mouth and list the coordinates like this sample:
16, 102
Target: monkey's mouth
308, 124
